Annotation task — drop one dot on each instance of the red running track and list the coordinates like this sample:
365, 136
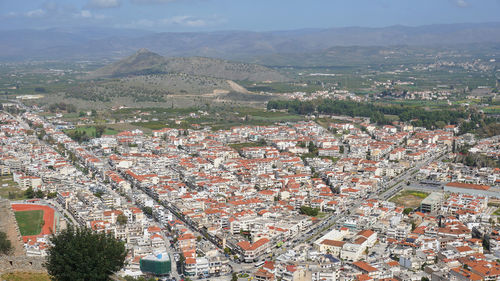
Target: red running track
48, 218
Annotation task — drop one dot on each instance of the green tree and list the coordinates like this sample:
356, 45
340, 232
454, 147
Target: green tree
5, 244
41, 134
99, 130
407, 211
39, 194
413, 225
148, 211
51, 195
312, 212
121, 219
80, 254
312, 148
29, 193
486, 243
234, 277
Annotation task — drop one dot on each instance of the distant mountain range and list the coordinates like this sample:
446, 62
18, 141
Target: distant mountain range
91, 43
145, 62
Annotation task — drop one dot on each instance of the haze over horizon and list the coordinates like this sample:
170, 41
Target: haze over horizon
256, 15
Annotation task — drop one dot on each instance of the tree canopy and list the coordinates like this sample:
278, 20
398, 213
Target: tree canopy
121, 219
312, 212
418, 116
5, 244
83, 254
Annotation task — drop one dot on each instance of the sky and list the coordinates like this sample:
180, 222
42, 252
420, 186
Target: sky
253, 15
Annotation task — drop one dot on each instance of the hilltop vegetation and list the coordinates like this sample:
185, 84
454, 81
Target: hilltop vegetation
147, 88
145, 62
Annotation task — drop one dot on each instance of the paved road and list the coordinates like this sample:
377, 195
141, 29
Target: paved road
400, 181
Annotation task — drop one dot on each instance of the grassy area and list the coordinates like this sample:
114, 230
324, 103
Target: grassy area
25, 276
391, 117
239, 146
409, 198
497, 212
30, 222
127, 127
152, 125
492, 109
9, 189
321, 215
91, 131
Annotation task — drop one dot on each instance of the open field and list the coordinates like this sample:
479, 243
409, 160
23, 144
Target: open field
239, 146
409, 198
30, 222
152, 125
25, 276
321, 215
9, 189
91, 131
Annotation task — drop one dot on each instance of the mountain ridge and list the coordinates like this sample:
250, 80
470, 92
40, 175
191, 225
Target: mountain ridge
85, 43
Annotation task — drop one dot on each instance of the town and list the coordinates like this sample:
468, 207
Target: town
346, 200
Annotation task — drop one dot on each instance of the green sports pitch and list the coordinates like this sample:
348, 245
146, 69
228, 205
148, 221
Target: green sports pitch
29, 222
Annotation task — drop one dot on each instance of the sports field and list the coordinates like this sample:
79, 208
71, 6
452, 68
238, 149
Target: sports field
30, 222
27, 221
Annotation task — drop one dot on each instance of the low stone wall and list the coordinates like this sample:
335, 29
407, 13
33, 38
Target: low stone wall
21, 264
8, 225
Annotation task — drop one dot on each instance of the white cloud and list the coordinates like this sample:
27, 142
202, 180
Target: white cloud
103, 4
144, 23
185, 21
85, 14
11, 15
461, 3
35, 13
151, 1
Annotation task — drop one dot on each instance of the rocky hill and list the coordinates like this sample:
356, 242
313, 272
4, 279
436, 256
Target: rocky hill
144, 62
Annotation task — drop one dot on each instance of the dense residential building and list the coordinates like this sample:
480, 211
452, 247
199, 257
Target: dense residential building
299, 201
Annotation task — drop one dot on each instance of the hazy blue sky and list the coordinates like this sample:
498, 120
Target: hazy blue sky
258, 15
